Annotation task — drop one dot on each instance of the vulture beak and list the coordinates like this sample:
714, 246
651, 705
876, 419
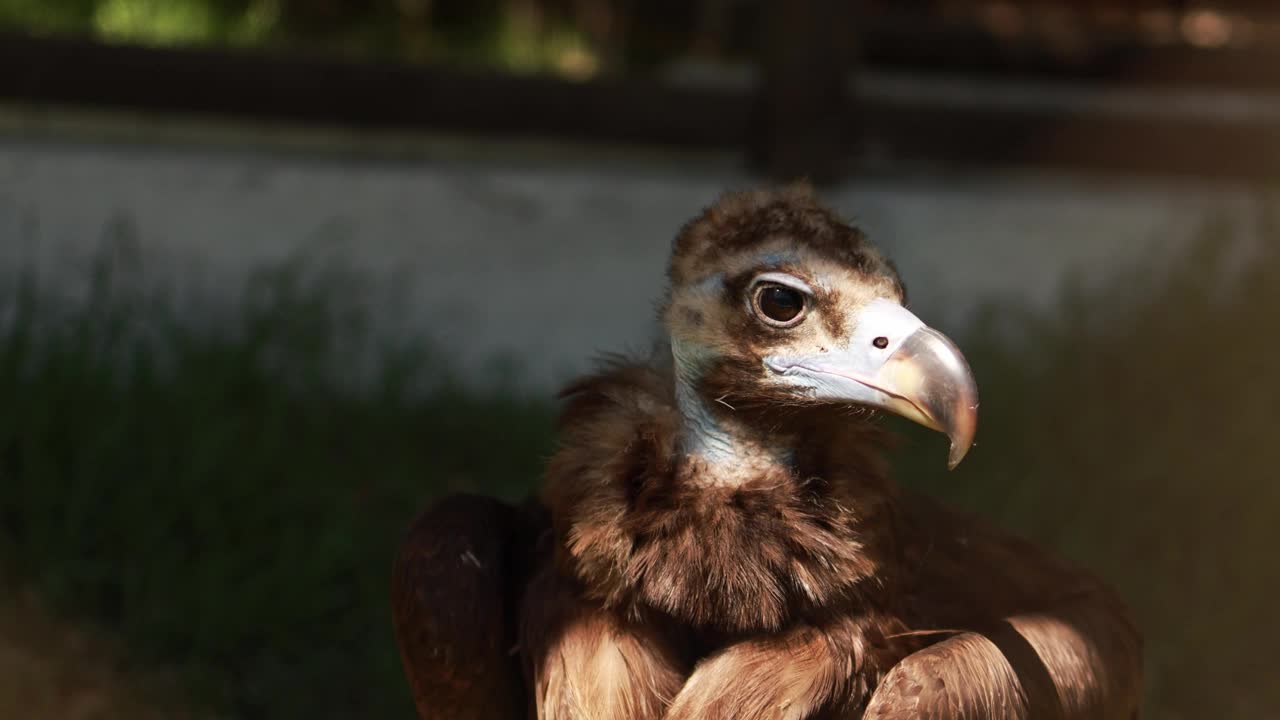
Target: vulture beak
895, 362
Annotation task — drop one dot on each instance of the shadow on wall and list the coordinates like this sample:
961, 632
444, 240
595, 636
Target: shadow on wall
227, 501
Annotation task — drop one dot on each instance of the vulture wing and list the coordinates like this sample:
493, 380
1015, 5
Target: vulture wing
1021, 635
1026, 636
455, 588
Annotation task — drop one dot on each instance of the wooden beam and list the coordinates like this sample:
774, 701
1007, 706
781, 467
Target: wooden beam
325, 92
982, 138
330, 92
909, 42
805, 114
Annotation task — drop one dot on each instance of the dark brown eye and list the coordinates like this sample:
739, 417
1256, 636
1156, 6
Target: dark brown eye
779, 305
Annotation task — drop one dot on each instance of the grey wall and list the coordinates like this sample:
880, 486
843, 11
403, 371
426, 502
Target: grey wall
545, 256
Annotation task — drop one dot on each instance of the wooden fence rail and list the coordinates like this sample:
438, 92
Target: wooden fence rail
642, 112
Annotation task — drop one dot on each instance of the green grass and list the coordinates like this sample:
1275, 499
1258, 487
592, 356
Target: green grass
220, 500
228, 502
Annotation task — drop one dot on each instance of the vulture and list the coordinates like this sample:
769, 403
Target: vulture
717, 534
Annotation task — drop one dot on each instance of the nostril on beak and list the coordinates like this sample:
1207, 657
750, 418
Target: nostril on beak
881, 342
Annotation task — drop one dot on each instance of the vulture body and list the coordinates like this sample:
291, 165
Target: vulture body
718, 537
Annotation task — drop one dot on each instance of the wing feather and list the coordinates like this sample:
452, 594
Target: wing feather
455, 586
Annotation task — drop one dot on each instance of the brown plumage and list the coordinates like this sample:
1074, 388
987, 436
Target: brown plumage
715, 540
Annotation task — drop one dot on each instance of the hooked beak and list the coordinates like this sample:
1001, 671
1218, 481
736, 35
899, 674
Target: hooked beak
895, 362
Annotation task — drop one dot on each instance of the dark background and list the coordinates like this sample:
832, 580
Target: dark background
199, 501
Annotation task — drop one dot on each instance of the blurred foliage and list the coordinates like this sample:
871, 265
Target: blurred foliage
583, 38
230, 501
575, 38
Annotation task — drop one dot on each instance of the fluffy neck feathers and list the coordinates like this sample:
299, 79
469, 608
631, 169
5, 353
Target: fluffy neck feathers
641, 527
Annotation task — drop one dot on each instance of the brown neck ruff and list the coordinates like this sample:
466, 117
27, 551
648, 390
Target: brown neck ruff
646, 525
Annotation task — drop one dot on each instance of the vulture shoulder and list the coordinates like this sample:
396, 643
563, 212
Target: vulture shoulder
1020, 634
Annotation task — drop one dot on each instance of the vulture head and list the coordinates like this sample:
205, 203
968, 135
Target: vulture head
775, 304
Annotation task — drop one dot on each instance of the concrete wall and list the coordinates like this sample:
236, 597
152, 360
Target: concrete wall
543, 254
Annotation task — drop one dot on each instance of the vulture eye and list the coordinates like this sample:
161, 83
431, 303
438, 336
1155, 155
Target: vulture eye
779, 305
